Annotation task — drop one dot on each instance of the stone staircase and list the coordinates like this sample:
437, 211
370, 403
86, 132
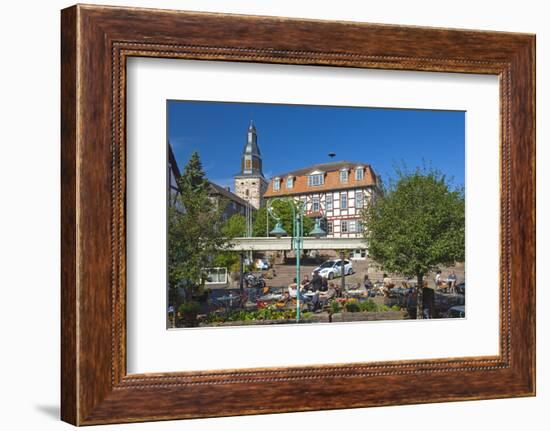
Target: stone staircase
287, 272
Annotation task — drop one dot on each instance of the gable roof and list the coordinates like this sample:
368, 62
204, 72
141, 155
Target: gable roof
331, 182
214, 188
219, 190
324, 167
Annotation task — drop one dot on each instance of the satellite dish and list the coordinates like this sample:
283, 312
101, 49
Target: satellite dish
331, 155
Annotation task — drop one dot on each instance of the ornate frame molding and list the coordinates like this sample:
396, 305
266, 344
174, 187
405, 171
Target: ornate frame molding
96, 41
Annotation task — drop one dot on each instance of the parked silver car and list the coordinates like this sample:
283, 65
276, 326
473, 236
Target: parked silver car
333, 268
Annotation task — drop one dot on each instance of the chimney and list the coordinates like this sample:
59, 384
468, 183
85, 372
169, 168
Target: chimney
228, 188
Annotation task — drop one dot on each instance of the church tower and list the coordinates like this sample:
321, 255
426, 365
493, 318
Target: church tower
250, 183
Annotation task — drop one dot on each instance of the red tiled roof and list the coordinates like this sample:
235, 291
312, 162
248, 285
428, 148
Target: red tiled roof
331, 172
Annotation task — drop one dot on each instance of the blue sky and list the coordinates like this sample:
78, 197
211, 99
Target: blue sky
291, 137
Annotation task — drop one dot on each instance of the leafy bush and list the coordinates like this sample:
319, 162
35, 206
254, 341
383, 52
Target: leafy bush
189, 308
334, 307
269, 312
368, 305
352, 307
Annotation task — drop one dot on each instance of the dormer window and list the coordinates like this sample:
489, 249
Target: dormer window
359, 173
276, 184
344, 176
289, 182
315, 179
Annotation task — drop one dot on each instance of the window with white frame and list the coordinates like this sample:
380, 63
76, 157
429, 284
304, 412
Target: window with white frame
330, 227
344, 176
289, 182
358, 226
344, 226
351, 226
315, 180
216, 275
359, 173
277, 184
359, 199
315, 206
344, 200
328, 201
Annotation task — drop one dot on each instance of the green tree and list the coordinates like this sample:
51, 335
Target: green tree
416, 226
283, 210
193, 178
195, 232
259, 224
234, 227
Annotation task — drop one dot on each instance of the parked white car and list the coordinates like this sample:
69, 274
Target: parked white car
333, 268
262, 264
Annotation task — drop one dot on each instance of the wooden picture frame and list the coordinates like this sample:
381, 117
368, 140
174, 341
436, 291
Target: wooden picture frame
95, 42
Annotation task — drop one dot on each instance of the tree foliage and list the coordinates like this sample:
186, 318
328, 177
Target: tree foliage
234, 227
195, 229
417, 225
283, 210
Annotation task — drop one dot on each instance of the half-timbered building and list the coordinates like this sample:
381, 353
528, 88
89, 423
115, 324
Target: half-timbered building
335, 192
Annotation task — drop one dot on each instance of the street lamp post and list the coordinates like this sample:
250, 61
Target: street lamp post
298, 210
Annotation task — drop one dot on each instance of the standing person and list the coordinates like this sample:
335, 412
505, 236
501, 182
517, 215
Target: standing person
316, 282
428, 301
324, 284
315, 303
451, 279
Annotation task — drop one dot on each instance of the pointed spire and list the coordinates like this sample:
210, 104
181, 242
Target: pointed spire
251, 157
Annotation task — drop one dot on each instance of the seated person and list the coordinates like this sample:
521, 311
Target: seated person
388, 284
329, 295
367, 283
292, 291
306, 284
439, 283
284, 300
